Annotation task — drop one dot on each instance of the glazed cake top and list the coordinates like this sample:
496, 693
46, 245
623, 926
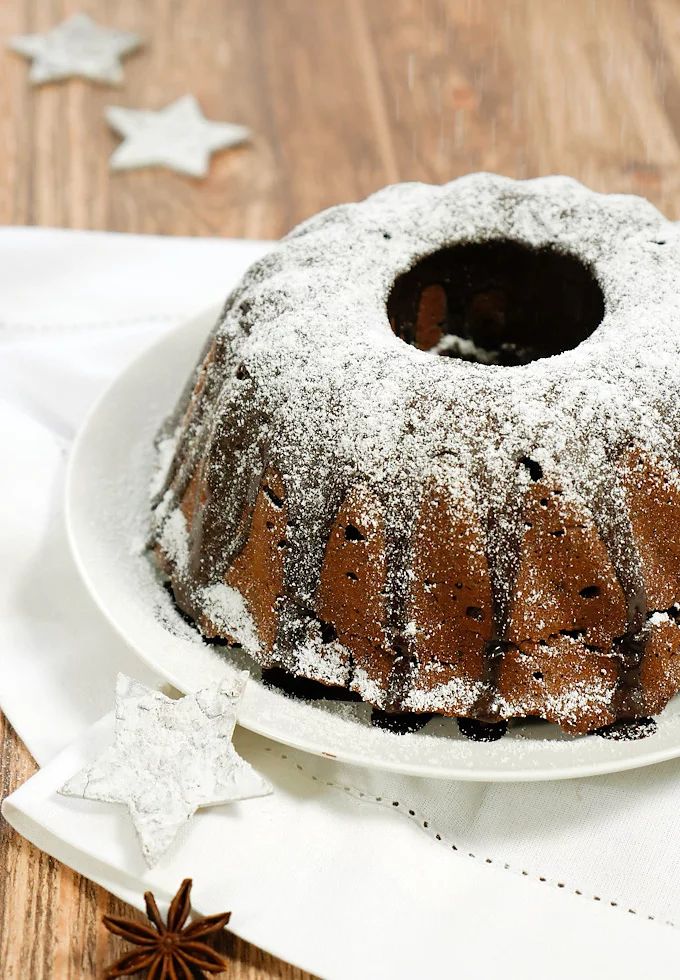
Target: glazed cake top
320, 350
309, 324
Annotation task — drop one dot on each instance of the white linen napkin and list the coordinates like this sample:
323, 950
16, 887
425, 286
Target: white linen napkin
542, 876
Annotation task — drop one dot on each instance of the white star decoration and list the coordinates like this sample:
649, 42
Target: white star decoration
77, 46
178, 136
169, 758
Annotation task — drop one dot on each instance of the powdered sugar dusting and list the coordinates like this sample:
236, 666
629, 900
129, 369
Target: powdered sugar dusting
165, 451
328, 664
174, 539
226, 608
454, 697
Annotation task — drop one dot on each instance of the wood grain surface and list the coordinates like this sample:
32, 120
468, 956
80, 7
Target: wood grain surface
343, 96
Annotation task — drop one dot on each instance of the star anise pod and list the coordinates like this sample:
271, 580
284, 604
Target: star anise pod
168, 951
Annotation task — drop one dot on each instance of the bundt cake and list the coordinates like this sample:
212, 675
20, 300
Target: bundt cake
430, 456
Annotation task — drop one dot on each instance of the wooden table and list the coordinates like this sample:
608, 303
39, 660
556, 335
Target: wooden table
343, 96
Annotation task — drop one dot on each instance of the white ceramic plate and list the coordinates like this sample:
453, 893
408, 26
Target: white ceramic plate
107, 510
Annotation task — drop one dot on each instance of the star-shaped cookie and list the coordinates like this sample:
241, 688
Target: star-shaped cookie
178, 136
168, 759
76, 47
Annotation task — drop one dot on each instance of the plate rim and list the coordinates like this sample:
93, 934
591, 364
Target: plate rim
87, 431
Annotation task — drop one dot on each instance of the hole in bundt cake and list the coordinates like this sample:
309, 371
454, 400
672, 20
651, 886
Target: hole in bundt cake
353, 533
590, 592
352, 576
497, 302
